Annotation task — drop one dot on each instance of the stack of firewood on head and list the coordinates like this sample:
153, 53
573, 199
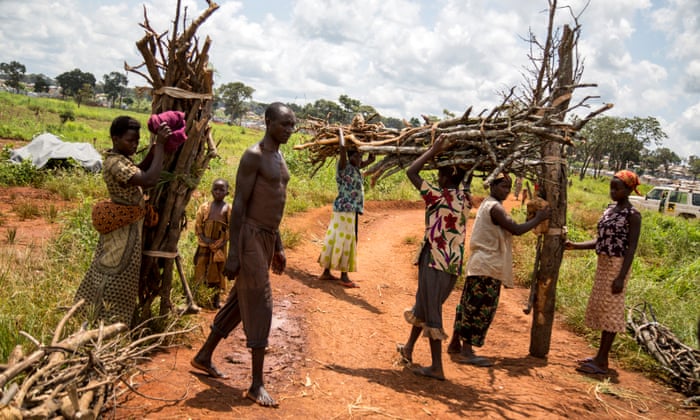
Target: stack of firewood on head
507, 140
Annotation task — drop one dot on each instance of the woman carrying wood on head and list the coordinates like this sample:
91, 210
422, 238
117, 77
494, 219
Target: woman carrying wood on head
440, 259
339, 250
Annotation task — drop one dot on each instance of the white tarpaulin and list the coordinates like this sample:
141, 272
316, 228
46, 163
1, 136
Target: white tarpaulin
47, 146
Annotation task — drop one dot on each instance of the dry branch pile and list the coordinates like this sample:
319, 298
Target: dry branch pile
181, 78
510, 138
524, 133
73, 377
680, 362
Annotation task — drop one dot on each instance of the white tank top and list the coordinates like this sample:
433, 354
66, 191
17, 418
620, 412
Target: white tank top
490, 247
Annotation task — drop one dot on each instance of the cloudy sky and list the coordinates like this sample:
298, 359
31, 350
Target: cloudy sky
405, 58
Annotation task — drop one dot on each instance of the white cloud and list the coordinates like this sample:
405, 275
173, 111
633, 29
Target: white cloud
692, 76
404, 57
684, 132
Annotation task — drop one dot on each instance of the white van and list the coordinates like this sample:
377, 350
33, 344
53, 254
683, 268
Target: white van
672, 200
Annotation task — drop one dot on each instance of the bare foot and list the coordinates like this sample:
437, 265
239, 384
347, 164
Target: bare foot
454, 347
261, 397
207, 367
428, 372
326, 275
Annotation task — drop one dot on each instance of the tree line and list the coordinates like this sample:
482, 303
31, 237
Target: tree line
617, 143
610, 142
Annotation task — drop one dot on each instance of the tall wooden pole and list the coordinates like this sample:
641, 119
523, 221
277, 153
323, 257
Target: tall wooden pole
554, 180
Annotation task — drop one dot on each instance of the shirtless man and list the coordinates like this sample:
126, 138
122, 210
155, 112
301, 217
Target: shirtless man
255, 246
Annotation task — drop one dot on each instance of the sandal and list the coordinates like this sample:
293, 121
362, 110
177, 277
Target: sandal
592, 369
349, 284
475, 361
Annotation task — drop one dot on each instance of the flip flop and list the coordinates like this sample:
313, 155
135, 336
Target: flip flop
425, 372
350, 285
474, 361
592, 369
211, 370
585, 360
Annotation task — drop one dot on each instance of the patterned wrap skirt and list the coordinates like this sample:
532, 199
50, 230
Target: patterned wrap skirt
606, 311
477, 308
111, 285
434, 287
339, 250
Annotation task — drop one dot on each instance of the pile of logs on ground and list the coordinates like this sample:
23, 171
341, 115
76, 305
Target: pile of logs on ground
507, 139
680, 362
75, 376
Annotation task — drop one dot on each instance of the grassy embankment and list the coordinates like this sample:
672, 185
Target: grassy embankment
35, 283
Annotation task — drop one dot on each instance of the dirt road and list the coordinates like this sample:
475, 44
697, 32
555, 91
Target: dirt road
333, 350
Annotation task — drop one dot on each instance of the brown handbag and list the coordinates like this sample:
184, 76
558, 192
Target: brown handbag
108, 216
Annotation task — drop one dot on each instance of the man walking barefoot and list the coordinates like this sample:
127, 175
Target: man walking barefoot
255, 246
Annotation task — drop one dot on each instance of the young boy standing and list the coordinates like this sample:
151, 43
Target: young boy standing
212, 227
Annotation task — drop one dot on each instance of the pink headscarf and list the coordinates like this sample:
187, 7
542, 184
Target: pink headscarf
176, 122
630, 179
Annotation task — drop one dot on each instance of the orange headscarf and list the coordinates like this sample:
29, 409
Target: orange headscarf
630, 179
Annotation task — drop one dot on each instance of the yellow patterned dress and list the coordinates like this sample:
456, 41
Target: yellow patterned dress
339, 251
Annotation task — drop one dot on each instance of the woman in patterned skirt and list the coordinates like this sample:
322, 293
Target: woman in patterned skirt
618, 235
110, 286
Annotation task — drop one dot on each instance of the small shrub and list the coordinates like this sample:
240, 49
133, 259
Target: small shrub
26, 211
20, 174
11, 235
67, 115
290, 239
51, 214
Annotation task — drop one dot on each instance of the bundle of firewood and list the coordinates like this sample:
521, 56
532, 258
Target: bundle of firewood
181, 79
508, 139
324, 144
72, 377
679, 361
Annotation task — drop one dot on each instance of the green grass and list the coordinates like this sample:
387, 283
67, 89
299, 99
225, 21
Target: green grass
33, 287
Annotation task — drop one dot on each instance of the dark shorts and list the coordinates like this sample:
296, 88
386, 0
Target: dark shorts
250, 300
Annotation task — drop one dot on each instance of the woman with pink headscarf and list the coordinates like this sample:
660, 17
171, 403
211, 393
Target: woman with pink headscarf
618, 235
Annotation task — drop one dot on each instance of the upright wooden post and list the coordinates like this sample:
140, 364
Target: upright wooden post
554, 176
